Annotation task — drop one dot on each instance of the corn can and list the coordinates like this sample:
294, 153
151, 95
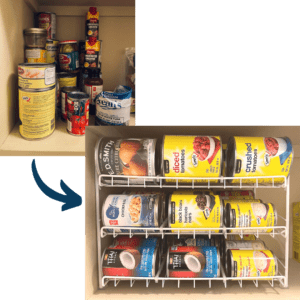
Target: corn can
259, 156
191, 156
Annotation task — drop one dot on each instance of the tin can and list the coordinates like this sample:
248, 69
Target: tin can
236, 237
78, 113
36, 76
35, 55
133, 211
192, 156
232, 195
195, 211
129, 157
37, 112
64, 100
199, 241
127, 242
259, 156
242, 201
47, 20
193, 262
251, 263
141, 261
52, 51
245, 214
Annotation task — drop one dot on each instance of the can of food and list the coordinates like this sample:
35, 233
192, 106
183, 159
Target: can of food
232, 195
141, 261
64, 79
68, 55
78, 113
236, 237
64, 100
129, 157
133, 211
193, 262
251, 263
47, 20
192, 156
258, 156
245, 214
199, 241
242, 201
35, 55
195, 211
52, 51
127, 242
37, 112
36, 76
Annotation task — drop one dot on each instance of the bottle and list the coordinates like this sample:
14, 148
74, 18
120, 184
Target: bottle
93, 85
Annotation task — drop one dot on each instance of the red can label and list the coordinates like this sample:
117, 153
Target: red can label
126, 242
48, 22
77, 116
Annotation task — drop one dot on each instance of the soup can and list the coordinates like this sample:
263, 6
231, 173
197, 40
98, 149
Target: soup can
193, 262
47, 20
134, 211
141, 261
78, 113
259, 156
36, 76
52, 51
251, 263
128, 157
240, 194
195, 211
64, 100
245, 214
192, 156
37, 113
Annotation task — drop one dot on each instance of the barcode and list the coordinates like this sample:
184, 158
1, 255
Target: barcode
296, 255
69, 125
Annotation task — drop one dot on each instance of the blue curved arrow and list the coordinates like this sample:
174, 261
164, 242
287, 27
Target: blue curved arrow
71, 199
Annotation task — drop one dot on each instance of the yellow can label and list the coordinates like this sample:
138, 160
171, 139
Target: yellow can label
67, 81
246, 237
192, 156
253, 263
35, 55
255, 214
241, 201
52, 52
37, 113
262, 156
195, 211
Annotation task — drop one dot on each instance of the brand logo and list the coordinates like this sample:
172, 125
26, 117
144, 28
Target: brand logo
112, 212
90, 51
25, 98
44, 18
64, 59
194, 160
21, 71
176, 164
108, 104
267, 159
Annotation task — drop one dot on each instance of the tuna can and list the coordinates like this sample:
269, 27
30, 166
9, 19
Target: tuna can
192, 156
128, 157
47, 20
36, 76
195, 211
37, 113
232, 195
251, 263
245, 214
259, 156
52, 51
131, 262
193, 262
78, 113
134, 211
64, 100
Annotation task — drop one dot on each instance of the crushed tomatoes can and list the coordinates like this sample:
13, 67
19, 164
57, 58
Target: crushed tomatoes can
192, 156
78, 113
195, 211
258, 156
251, 263
47, 20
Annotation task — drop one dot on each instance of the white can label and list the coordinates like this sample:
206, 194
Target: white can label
50, 76
93, 91
33, 53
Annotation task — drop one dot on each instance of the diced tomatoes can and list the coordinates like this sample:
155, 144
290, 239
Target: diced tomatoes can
64, 100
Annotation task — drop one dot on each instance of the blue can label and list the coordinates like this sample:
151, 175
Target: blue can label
69, 61
211, 268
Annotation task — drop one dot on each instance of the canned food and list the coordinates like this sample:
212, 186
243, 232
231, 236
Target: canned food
259, 156
192, 156
131, 262
251, 263
36, 76
47, 20
52, 51
132, 157
92, 23
241, 201
68, 55
193, 262
132, 211
67, 79
127, 242
64, 100
35, 55
232, 195
35, 38
245, 214
37, 112
195, 211
236, 237
93, 48
78, 113
199, 241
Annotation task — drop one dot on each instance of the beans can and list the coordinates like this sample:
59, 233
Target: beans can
192, 156
78, 113
52, 51
259, 156
64, 100
141, 261
245, 214
251, 263
36, 76
47, 20
193, 262
37, 113
129, 157
241, 194
135, 211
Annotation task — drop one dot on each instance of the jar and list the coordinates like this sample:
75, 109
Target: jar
68, 55
35, 38
93, 85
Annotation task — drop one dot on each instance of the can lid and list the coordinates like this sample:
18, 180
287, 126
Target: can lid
78, 95
35, 31
68, 42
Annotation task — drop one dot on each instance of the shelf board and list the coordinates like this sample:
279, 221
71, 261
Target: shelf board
86, 2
